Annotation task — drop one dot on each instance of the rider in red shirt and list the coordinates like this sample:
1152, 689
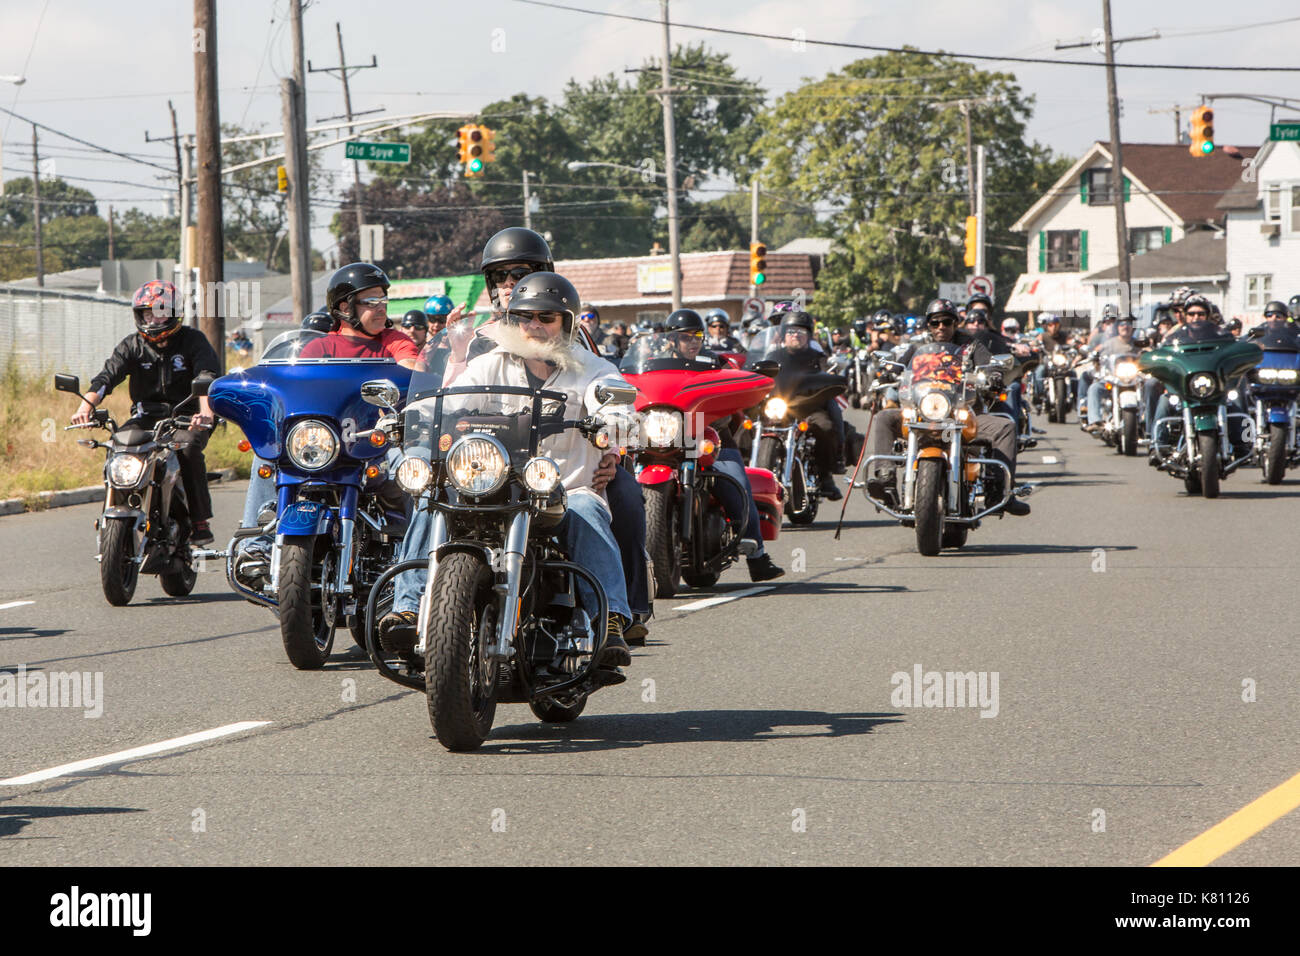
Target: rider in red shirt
357, 296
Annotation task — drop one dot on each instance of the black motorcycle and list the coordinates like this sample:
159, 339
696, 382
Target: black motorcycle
1058, 383
145, 525
499, 620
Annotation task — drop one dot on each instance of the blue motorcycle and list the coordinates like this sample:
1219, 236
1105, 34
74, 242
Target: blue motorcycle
337, 517
1273, 390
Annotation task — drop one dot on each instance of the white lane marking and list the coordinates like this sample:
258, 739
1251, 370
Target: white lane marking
133, 754
715, 601
1050, 460
5, 607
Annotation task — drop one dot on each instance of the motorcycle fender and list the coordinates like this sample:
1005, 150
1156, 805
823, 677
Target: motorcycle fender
656, 474
1128, 399
119, 512
303, 517
931, 451
1279, 416
1205, 422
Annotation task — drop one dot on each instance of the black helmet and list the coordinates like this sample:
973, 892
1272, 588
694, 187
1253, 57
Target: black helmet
796, 320
320, 321
943, 307
717, 316
546, 292
860, 326
979, 297
1110, 311
415, 319
684, 320
1293, 304
1195, 299
899, 324
515, 244
881, 315
347, 282
1278, 308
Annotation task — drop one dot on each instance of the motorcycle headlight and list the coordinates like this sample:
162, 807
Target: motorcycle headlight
1202, 384
124, 471
1266, 374
1288, 376
477, 465
775, 408
1059, 359
662, 427
541, 475
413, 475
312, 445
935, 406
1126, 372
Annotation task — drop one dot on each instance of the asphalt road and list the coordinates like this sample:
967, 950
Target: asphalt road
1121, 619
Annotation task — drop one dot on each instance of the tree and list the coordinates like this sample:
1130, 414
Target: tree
138, 235
58, 198
880, 145
725, 223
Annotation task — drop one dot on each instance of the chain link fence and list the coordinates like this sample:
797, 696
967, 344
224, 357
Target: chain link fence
47, 331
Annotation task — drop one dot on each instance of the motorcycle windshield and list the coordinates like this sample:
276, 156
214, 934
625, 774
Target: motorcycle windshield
308, 347
763, 342
935, 365
669, 352
518, 418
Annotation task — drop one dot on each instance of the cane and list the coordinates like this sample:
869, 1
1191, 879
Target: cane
856, 468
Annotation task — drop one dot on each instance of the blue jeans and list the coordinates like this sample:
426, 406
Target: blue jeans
1094, 403
628, 508
1081, 389
729, 463
1014, 393
585, 533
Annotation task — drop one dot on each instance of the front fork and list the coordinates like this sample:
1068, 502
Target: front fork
513, 562
437, 538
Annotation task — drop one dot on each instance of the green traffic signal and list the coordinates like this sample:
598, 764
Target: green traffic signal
475, 165
759, 278
1207, 147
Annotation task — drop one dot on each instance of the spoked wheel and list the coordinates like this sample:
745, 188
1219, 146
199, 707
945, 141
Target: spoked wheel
802, 480
460, 680
1208, 443
929, 506
118, 572
663, 538
1275, 459
308, 609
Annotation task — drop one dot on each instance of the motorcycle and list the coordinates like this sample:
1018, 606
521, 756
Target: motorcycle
1121, 402
778, 437
688, 534
1272, 393
145, 525
1058, 383
499, 621
337, 518
1196, 444
943, 489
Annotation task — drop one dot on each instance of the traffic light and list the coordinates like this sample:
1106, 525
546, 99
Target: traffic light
1202, 132
462, 136
972, 240
757, 263
282, 179
489, 144
475, 151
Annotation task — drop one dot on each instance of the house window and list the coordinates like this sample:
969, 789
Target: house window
1295, 209
1063, 250
1259, 289
1099, 187
1273, 204
1144, 240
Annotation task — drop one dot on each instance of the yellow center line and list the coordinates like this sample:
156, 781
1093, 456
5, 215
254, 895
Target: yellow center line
1238, 828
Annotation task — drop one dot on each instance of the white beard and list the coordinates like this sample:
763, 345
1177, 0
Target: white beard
513, 340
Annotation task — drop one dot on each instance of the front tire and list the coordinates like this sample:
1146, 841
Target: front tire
929, 506
1128, 435
663, 538
306, 629
1057, 415
1275, 462
1208, 445
118, 572
459, 682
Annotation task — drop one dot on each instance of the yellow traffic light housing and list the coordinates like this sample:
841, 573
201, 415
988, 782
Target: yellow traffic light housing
282, 179
757, 263
972, 240
462, 137
474, 166
489, 144
1202, 132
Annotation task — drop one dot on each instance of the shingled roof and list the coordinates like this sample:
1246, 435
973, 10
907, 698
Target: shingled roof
1191, 186
1198, 255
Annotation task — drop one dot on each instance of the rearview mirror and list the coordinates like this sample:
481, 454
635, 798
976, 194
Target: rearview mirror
199, 387
381, 392
67, 383
616, 394
1003, 362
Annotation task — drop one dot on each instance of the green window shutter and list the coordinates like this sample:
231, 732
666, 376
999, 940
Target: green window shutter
1083, 250
1169, 235
1042, 251
1083, 187
1126, 188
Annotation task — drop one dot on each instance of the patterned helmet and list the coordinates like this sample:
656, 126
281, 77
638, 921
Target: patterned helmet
438, 305
154, 305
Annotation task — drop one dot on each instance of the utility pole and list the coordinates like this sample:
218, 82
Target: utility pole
528, 213
1117, 169
293, 104
36, 209
344, 71
970, 167
670, 161
110, 232
979, 210
211, 239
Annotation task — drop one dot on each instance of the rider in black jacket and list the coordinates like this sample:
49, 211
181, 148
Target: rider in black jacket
161, 360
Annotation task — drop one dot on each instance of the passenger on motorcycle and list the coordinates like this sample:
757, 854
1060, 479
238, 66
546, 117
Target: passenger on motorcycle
416, 325
827, 426
320, 321
162, 358
1050, 338
998, 430
720, 338
536, 347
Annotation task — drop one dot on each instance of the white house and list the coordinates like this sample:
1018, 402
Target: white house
1168, 194
1263, 232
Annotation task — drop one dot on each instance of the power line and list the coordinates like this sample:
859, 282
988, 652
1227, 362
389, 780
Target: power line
83, 142
843, 44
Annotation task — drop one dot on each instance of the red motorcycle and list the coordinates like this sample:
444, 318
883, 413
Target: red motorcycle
689, 535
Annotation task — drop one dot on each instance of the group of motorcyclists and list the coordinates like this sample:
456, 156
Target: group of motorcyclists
540, 335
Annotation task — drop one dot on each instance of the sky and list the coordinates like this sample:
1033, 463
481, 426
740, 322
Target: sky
105, 71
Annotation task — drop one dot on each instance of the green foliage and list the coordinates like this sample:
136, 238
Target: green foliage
58, 198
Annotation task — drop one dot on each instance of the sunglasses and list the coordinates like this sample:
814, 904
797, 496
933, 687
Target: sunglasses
1201, 312
940, 323
1275, 315
499, 276
546, 318
373, 301
697, 336
587, 316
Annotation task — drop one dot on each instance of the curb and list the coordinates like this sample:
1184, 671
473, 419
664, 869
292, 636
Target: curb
76, 496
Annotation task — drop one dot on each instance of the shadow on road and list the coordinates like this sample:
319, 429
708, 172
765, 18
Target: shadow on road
835, 587
1227, 492
15, 633
204, 598
997, 550
14, 819
619, 731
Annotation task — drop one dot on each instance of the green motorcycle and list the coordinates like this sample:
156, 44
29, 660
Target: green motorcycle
1195, 442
